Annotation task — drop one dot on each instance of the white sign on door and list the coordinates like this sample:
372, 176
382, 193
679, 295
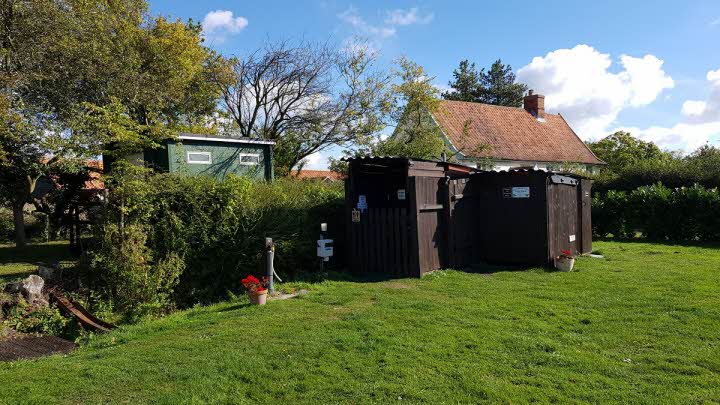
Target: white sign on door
521, 192
401, 194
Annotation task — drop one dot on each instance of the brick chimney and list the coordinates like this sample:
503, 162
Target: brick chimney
534, 104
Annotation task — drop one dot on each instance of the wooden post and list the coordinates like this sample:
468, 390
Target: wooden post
414, 246
447, 193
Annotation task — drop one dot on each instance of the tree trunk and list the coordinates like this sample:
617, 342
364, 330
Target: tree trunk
19, 222
18, 216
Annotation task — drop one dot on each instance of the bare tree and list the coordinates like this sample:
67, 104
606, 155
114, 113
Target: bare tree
307, 97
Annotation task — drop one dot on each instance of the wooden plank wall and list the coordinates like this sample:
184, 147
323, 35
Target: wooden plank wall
563, 219
380, 242
431, 229
463, 224
585, 217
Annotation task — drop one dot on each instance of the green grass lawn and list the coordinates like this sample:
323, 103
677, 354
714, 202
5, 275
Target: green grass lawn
642, 325
18, 262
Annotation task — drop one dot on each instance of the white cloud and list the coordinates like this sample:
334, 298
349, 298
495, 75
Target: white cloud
394, 18
682, 136
701, 124
713, 76
578, 83
220, 23
408, 17
715, 22
352, 17
703, 111
442, 88
694, 108
315, 161
645, 78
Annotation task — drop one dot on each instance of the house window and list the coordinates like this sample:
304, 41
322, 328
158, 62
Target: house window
249, 159
199, 158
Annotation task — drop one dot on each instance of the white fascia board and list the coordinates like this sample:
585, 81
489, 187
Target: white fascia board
230, 140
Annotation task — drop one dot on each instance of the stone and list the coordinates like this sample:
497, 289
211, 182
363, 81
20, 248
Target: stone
32, 290
13, 288
52, 273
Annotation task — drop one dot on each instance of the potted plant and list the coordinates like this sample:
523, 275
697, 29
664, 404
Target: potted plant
256, 289
565, 261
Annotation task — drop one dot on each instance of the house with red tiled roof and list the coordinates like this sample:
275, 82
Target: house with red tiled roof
321, 175
502, 138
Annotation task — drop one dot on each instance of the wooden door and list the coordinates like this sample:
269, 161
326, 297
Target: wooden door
564, 213
431, 235
462, 220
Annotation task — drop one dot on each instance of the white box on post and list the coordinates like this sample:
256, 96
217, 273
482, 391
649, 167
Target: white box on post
324, 250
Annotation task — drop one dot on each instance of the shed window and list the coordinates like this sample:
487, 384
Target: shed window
199, 158
249, 159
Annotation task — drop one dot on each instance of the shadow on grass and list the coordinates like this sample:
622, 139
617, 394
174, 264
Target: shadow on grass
36, 253
683, 243
16, 263
234, 307
375, 277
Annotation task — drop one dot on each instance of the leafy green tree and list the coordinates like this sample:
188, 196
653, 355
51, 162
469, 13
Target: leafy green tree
163, 88
78, 75
467, 85
24, 146
415, 134
704, 165
499, 87
621, 150
496, 86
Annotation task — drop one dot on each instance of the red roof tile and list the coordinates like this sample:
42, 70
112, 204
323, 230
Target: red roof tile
95, 174
319, 174
509, 133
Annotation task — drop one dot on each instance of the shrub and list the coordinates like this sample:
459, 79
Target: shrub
606, 214
134, 281
211, 232
659, 213
672, 173
27, 318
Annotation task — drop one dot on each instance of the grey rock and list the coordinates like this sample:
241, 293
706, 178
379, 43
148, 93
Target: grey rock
32, 290
13, 288
50, 273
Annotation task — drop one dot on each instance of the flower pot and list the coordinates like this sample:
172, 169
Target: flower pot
258, 297
564, 263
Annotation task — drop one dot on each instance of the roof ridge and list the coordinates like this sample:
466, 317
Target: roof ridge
476, 103
509, 134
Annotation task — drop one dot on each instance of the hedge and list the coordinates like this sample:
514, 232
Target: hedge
216, 229
659, 213
674, 173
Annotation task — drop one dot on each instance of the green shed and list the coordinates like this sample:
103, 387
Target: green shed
197, 154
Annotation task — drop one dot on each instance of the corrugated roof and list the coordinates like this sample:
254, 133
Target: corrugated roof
509, 133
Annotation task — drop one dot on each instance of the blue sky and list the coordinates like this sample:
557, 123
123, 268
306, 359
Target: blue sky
651, 67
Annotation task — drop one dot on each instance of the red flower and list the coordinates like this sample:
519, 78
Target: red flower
253, 285
566, 252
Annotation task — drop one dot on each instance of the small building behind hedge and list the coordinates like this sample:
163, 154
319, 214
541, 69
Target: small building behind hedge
196, 154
